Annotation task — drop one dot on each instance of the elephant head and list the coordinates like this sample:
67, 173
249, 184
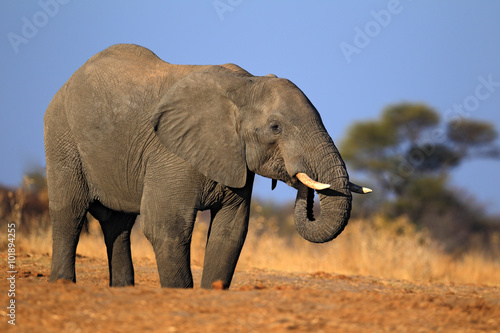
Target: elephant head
226, 122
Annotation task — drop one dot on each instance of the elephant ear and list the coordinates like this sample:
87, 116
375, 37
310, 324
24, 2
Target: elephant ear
197, 120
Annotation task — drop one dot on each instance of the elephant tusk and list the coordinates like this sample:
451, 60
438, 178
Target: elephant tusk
307, 181
359, 189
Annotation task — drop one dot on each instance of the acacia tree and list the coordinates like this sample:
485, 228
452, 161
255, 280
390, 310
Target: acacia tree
409, 142
407, 154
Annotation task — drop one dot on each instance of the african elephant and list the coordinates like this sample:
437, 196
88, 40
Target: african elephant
129, 133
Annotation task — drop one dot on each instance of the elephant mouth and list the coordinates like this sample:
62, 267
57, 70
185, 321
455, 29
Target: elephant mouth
335, 203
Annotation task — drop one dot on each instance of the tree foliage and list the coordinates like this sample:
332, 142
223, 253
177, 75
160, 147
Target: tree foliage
409, 141
473, 138
408, 153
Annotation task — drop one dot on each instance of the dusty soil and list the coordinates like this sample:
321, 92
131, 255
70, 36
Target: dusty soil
258, 301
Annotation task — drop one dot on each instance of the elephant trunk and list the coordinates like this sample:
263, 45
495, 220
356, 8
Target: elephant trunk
335, 203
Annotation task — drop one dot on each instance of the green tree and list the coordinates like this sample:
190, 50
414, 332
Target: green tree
409, 141
408, 154
473, 138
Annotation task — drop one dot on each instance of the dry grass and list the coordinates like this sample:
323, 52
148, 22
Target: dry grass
376, 248
373, 248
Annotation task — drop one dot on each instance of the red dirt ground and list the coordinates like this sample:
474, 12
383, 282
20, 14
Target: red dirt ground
258, 301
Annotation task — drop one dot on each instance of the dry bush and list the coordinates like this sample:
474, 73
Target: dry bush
28, 209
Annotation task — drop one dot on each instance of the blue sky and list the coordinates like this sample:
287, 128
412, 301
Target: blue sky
351, 58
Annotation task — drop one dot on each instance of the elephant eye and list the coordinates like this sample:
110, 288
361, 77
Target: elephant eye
275, 127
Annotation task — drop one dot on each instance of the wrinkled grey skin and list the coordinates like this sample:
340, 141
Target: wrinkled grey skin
129, 133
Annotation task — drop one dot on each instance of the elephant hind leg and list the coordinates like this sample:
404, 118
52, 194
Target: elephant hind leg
68, 204
67, 226
116, 227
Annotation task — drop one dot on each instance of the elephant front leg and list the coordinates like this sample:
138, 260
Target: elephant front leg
173, 261
171, 241
227, 234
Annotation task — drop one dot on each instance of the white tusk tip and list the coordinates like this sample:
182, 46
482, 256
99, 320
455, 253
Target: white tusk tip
322, 187
306, 180
366, 190
359, 189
